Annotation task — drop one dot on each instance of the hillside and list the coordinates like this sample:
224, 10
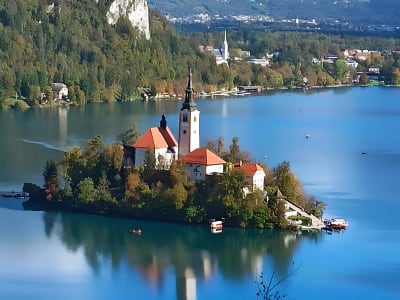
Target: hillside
73, 43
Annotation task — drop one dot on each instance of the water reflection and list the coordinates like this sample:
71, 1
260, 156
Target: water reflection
191, 251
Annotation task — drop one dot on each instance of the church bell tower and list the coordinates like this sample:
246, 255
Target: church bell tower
189, 122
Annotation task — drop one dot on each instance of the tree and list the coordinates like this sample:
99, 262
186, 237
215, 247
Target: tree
288, 183
86, 191
48, 93
396, 76
314, 207
50, 176
103, 196
276, 212
95, 157
227, 194
114, 156
130, 136
132, 184
364, 79
234, 150
174, 197
341, 70
268, 290
74, 166
149, 167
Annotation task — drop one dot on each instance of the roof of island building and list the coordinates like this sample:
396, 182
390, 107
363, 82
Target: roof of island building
202, 156
157, 137
249, 168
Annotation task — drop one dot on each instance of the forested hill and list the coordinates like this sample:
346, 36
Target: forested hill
75, 45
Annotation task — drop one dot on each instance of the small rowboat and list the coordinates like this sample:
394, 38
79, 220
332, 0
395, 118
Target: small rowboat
136, 231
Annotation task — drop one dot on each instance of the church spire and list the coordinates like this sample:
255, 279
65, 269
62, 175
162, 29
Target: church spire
189, 122
189, 97
225, 50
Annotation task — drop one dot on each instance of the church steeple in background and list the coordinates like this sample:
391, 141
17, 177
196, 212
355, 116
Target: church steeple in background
225, 50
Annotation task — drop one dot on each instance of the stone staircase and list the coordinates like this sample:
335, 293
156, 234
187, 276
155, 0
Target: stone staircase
315, 222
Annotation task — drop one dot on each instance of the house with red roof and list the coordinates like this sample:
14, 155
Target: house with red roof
202, 162
254, 174
161, 142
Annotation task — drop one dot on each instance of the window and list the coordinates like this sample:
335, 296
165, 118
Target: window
194, 119
185, 118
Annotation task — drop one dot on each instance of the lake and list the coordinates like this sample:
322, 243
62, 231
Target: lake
65, 256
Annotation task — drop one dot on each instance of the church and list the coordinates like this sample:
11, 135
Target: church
199, 162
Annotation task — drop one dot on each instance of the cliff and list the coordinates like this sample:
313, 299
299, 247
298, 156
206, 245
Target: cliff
137, 12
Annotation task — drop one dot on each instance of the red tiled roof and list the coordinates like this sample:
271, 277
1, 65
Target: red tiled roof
156, 138
202, 156
249, 168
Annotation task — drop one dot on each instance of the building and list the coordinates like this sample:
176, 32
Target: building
199, 162
160, 142
189, 122
254, 175
60, 91
264, 62
202, 162
351, 63
221, 55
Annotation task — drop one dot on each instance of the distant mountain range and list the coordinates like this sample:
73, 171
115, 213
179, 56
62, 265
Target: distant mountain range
354, 12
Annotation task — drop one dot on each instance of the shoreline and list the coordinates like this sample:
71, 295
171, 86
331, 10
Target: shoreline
235, 93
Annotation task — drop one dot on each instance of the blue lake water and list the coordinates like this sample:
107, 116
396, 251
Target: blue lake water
59, 255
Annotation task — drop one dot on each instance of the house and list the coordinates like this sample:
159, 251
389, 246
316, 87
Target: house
254, 175
351, 63
202, 162
264, 62
160, 142
373, 70
330, 58
362, 56
60, 91
315, 61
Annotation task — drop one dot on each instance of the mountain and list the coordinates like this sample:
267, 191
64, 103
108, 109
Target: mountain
355, 12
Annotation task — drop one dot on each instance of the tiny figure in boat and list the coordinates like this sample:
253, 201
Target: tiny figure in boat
136, 231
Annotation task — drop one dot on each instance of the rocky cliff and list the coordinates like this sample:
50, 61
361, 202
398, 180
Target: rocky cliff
137, 12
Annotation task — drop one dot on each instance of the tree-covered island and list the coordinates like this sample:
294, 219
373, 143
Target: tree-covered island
153, 176
94, 180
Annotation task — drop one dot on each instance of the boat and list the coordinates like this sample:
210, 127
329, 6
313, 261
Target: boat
336, 224
216, 226
136, 231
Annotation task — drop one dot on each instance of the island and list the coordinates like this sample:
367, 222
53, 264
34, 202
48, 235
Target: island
155, 176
